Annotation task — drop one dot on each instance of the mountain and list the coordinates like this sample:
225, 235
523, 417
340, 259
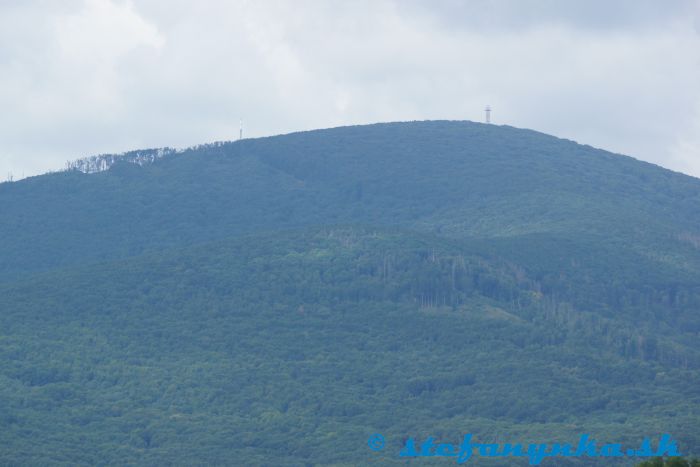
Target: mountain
276, 301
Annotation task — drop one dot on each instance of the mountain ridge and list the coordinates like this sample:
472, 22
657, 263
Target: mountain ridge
279, 299
401, 172
74, 164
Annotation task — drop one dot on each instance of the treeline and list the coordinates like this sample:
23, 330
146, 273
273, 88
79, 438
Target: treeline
670, 462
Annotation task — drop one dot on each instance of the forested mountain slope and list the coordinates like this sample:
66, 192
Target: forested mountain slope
278, 300
453, 178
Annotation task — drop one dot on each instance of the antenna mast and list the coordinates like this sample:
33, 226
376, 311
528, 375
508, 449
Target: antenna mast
240, 131
487, 110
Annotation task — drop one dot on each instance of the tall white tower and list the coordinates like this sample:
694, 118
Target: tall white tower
240, 131
487, 110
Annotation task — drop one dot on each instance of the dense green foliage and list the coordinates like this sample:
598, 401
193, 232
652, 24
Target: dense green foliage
670, 462
452, 178
276, 301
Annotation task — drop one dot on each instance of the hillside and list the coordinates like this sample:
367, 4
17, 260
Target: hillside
452, 178
280, 299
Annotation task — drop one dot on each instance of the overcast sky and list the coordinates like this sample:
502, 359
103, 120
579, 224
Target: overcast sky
83, 77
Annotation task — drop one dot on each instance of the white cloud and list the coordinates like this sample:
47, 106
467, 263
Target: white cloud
106, 76
102, 32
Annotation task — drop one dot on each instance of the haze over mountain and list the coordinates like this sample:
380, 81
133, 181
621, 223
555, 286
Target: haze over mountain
278, 300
